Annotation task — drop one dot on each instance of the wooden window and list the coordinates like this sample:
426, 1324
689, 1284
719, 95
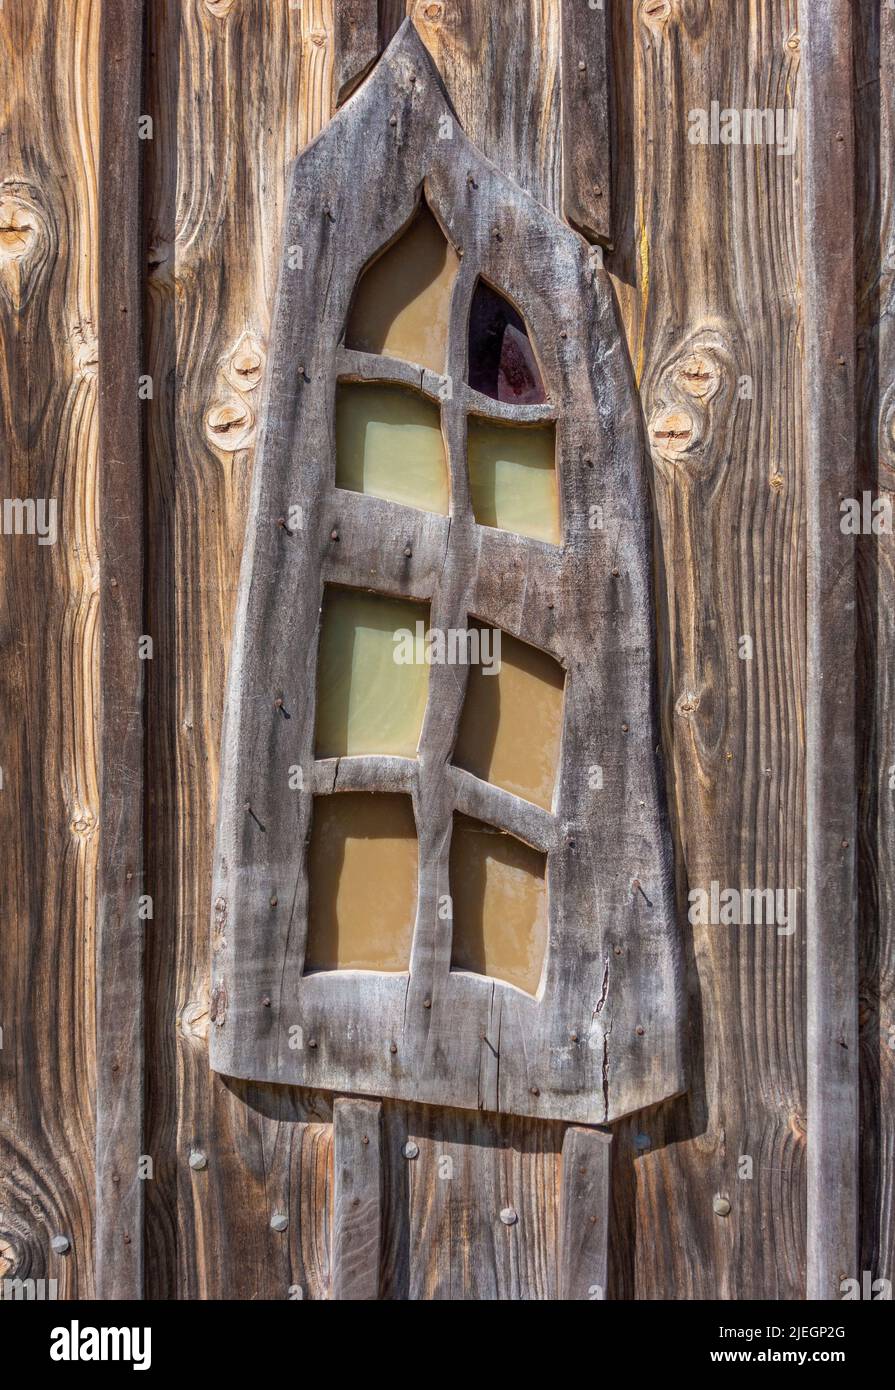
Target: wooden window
540, 973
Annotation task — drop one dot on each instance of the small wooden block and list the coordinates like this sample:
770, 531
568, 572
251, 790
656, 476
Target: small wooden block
357, 1201
356, 44
584, 1218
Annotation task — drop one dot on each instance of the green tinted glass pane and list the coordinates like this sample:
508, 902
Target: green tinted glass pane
389, 444
366, 701
512, 477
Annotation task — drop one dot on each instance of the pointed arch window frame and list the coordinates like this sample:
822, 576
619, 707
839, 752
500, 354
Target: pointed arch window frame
604, 1036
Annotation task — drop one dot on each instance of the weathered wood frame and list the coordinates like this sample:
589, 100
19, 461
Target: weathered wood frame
604, 1035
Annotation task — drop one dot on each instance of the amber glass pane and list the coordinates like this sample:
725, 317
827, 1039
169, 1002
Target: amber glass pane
362, 873
389, 444
366, 701
402, 303
512, 477
511, 726
499, 898
501, 361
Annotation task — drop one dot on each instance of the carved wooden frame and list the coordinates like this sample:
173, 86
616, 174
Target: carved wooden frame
604, 1034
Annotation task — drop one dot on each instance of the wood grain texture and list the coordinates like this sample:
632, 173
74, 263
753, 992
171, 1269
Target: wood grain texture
831, 792
500, 65
874, 88
602, 1037
121, 923
707, 269
584, 1234
357, 1199
586, 145
49, 608
444, 1238
215, 182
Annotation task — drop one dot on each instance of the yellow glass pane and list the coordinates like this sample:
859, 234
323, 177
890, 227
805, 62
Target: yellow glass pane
366, 701
402, 303
499, 897
389, 444
512, 477
511, 725
362, 874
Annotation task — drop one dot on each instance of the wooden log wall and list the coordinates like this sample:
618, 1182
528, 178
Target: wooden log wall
708, 1190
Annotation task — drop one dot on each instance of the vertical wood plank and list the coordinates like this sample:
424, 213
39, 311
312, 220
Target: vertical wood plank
357, 1199
707, 272
584, 1223
874, 83
120, 927
215, 189
831, 792
119, 933
586, 173
49, 798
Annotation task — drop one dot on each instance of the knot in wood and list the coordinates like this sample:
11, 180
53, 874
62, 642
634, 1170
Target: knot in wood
229, 425
655, 13
699, 375
672, 432
245, 365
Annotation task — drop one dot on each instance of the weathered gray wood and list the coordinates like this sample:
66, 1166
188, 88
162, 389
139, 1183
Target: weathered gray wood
119, 929
603, 1037
586, 172
584, 1226
357, 1198
829, 383
355, 42
874, 48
